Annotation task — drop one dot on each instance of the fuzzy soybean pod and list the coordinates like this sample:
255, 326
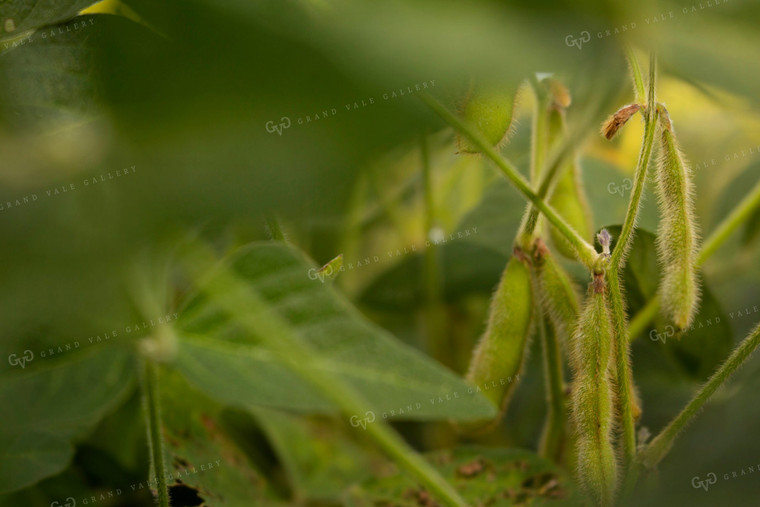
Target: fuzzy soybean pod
592, 396
677, 234
558, 296
490, 108
498, 359
568, 197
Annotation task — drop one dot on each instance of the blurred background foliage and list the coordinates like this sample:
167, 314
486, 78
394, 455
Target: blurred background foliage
182, 92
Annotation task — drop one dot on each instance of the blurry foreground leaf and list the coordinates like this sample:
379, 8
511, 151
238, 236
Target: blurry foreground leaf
45, 410
224, 362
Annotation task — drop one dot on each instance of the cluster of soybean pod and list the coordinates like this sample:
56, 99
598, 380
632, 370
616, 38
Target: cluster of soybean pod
591, 421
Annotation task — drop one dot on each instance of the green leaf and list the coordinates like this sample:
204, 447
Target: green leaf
48, 81
20, 15
466, 268
45, 410
206, 462
483, 476
53, 78
224, 362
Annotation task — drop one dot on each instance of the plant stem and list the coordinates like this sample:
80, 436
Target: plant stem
747, 206
626, 233
624, 399
653, 453
638, 80
585, 252
152, 412
434, 314
257, 318
431, 253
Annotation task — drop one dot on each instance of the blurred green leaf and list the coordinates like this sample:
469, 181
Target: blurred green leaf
483, 476
48, 408
20, 15
53, 80
225, 363
466, 268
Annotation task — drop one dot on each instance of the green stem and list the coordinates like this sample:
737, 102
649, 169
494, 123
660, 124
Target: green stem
624, 399
732, 222
545, 176
431, 260
749, 204
585, 252
653, 453
152, 411
626, 233
434, 314
638, 80
258, 319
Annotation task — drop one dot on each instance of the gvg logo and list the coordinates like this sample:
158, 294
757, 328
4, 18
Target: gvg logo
70, 502
571, 40
369, 417
614, 188
14, 360
273, 127
662, 337
705, 483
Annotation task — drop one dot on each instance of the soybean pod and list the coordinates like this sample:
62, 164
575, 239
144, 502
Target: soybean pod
499, 356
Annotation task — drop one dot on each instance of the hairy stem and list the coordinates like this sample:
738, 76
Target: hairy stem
638, 79
624, 399
653, 453
152, 412
585, 252
257, 318
739, 215
626, 233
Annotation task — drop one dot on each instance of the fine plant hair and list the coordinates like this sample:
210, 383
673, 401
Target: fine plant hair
595, 333
592, 396
501, 352
678, 230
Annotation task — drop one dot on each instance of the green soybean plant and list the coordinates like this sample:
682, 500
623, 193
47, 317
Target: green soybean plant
592, 417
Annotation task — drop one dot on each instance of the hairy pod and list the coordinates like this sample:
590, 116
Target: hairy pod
568, 197
498, 358
592, 396
491, 110
677, 234
558, 295
569, 200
